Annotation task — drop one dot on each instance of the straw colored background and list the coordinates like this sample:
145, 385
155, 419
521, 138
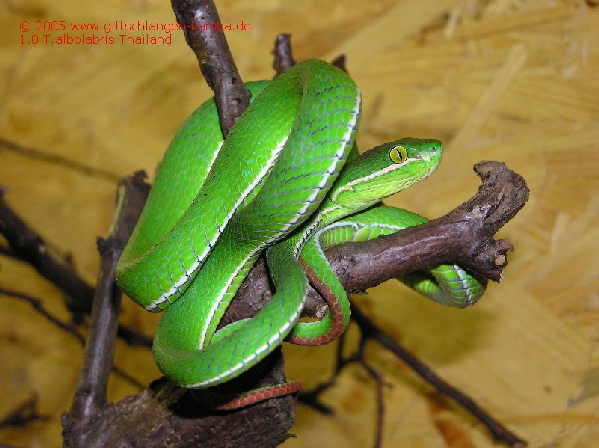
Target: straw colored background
508, 80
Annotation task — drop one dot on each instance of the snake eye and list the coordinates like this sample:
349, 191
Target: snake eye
398, 154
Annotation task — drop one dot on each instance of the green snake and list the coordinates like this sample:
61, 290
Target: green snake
287, 180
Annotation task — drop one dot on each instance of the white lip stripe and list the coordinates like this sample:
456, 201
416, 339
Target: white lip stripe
381, 172
373, 175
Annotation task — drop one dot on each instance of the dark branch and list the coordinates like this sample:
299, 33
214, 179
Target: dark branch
215, 59
90, 395
7, 252
69, 327
38, 306
23, 415
69, 164
464, 235
28, 246
133, 337
168, 415
282, 53
371, 331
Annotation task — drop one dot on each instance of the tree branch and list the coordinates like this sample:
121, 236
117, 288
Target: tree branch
215, 59
28, 246
167, 415
173, 410
69, 327
90, 396
463, 236
283, 57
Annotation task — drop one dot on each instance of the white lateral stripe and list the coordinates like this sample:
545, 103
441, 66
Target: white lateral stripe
275, 339
221, 294
337, 157
187, 274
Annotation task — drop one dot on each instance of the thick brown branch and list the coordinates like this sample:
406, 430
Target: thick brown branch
90, 395
464, 235
167, 415
215, 59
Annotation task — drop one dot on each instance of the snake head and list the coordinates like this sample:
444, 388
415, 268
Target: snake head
385, 170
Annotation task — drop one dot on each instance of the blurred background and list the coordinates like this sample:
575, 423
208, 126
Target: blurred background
508, 80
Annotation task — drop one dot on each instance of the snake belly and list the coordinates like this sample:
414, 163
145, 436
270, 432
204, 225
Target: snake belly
212, 211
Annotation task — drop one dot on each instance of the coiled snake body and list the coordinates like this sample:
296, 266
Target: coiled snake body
279, 182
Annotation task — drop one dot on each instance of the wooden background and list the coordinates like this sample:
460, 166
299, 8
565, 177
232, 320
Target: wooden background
509, 80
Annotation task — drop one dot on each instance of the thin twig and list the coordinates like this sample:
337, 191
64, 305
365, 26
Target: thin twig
380, 403
370, 331
28, 245
41, 310
69, 327
24, 414
55, 159
133, 337
7, 252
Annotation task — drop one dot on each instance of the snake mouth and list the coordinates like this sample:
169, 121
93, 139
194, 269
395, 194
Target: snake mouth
429, 153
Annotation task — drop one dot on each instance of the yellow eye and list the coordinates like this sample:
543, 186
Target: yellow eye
398, 154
